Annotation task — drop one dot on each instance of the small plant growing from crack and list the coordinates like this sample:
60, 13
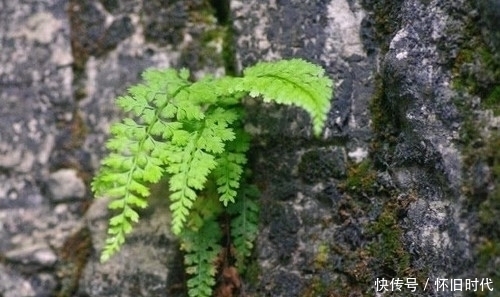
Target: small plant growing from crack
192, 132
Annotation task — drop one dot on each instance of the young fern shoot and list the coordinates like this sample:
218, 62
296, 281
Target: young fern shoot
192, 133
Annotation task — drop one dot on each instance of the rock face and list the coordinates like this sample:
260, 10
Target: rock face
403, 183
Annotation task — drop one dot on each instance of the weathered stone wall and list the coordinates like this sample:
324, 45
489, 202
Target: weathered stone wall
402, 183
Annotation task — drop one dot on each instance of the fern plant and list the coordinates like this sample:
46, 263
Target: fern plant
192, 133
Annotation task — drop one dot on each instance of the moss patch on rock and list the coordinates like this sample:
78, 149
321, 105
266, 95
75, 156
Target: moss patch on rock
361, 178
476, 73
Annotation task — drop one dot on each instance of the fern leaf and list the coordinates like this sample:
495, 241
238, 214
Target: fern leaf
134, 160
202, 92
189, 167
228, 173
187, 108
244, 225
190, 132
291, 82
229, 168
119, 179
217, 130
167, 81
201, 248
192, 157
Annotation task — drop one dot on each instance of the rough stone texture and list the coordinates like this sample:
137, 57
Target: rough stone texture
328, 33
419, 91
148, 265
489, 11
402, 183
65, 184
399, 55
36, 96
62, 63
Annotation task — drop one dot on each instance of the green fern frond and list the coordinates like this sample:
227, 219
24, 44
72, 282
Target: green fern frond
205, 208
192, 133
122, 177
244, 225
191, 158
135, 150
230, 167
227, 174
291, 82
217, 130
189, 167
201, 248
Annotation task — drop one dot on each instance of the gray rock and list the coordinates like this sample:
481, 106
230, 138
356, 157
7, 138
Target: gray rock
14, 284
423, 162
147, 263
65, 184
150, 262
418, 90
384, 192
37, 99
38, 255
321, 165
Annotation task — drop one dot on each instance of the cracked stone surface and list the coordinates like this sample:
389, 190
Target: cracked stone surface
384, 192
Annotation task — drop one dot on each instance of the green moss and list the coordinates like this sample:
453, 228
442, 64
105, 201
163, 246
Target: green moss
487, 251
220, 9
475, 52
322, 256
315, 288
387, 249
361, 178
379, 116
493, 100
385, 126
322, 284
252, 273
229, 51
475, 69
489, 209
486, 204
386, 14
204, 50
212, 44
476, 72
385, 254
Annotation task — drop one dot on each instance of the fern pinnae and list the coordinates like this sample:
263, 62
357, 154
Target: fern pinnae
127, 190
202, 248
291, 82
230, 167
193, 133
193, 159
244, 225
189, 166
135, 159
227, 174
